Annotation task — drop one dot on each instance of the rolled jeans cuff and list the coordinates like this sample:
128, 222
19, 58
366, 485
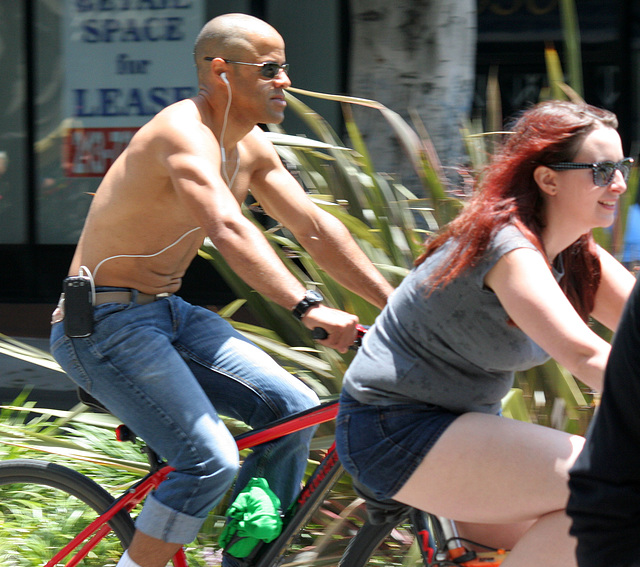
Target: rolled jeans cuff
161, 522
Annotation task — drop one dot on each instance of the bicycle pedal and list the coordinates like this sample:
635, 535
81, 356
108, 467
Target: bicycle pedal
463, 556
491, 559
123, 433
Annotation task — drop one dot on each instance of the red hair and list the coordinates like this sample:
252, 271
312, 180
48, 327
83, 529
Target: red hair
507, 193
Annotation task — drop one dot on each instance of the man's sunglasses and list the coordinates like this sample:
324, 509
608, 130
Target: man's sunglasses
603, 171
268, 70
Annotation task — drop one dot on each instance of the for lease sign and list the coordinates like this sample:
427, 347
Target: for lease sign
125, 60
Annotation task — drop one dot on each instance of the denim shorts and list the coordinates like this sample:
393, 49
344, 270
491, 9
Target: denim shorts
381, 446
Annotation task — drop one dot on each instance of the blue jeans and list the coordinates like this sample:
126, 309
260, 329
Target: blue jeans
167, 369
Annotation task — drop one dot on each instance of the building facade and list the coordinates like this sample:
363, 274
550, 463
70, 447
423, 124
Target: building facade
79, 76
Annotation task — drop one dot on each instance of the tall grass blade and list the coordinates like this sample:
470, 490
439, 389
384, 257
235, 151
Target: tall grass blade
572, 44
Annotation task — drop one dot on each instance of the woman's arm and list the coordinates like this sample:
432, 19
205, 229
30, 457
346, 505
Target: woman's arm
321, 234
532, 298
615, 287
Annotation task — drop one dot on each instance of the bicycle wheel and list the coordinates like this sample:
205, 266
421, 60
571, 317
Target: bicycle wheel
44, 505
426, 543
396, 543
335, 526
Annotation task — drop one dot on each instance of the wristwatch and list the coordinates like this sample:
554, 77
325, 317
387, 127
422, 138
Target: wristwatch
310, 299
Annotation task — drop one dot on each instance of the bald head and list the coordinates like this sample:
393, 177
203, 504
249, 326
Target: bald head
230, 36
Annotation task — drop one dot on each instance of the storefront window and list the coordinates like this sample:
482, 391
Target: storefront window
103, 70
13, 197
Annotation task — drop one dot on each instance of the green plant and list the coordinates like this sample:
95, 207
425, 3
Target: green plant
388, 221
381, 215
83, 441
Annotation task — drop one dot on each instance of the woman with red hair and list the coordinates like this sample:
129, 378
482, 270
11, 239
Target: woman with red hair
509, 283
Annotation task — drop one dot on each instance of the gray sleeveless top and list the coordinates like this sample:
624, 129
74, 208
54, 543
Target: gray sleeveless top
453, 349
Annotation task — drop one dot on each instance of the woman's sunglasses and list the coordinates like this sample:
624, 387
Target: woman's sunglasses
603, 171
268, 70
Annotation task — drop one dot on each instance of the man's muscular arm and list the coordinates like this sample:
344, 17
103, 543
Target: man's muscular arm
335, 251
319, 232
193, 164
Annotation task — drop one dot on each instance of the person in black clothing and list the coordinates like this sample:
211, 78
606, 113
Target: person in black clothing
604, 502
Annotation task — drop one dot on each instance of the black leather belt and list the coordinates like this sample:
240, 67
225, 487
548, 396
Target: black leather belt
140, 298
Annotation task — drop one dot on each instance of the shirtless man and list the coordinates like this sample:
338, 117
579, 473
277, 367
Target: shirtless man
163, 366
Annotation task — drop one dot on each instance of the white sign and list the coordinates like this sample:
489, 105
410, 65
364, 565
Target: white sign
125, 60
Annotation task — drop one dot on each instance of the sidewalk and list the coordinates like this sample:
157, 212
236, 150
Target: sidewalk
51, 389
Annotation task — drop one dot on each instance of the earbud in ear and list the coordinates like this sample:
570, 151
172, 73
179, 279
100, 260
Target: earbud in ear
223, 76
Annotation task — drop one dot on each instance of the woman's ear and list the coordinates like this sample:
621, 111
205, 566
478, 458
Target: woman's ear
547, 179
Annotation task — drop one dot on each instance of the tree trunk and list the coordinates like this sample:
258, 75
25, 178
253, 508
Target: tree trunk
414, 56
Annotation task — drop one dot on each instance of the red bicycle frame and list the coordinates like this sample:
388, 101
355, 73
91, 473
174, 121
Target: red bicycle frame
97, 529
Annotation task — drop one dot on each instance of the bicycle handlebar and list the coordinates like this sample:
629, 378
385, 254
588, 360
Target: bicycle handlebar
319, 334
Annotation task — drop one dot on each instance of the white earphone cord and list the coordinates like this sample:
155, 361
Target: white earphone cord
95, 273
230, 182
222, 151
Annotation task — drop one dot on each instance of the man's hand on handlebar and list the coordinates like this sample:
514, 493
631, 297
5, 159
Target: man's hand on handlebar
340, 326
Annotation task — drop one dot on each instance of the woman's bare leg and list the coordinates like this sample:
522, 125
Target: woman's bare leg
547, 543
492, 470
499, 536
